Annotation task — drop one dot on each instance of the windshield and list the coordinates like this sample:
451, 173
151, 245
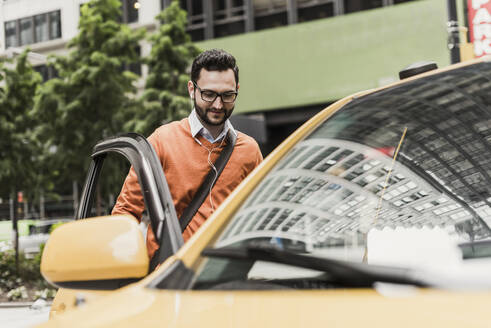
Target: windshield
398, 177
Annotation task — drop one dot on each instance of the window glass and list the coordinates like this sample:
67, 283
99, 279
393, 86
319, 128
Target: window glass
47, 72
134, 67
43, 70
197, 34
41, 28
55, 25
197, 7
11, 34
315, 12
357, 5
26, 35
33, 29
229, 29
269, 21
399, 177
219, 4
132, 11
111, 179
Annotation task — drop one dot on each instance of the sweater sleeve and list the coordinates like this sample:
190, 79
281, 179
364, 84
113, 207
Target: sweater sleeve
130, 199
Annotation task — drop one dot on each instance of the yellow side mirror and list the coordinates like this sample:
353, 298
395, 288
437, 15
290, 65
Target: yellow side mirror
98, 253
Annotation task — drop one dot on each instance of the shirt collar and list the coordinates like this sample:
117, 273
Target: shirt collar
198, 128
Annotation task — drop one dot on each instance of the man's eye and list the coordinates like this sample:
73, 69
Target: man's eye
209, 94
228, 96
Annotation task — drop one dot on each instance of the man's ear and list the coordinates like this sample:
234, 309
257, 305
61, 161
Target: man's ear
191, 89
238, 86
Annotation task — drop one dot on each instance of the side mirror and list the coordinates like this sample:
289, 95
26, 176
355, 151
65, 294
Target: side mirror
98, 253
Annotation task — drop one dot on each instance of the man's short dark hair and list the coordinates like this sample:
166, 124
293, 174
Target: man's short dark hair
214, 60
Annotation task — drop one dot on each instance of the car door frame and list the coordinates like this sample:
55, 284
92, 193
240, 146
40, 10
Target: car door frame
157, 197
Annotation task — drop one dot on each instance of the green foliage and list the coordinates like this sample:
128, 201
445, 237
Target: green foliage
92, 96
20, 150
47, 131
54, 226
13, 284
165, 97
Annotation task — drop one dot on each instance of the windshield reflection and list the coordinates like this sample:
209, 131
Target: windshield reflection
333, 191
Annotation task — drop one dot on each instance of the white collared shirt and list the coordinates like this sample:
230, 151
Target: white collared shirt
198, 128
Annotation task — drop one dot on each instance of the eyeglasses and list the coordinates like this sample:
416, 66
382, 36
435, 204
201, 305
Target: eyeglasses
210, 96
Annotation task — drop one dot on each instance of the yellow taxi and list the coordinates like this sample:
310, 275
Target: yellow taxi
376, 213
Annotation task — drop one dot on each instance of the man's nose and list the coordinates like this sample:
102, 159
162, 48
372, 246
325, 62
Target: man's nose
218, 103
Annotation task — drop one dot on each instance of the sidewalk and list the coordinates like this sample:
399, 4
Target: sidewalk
23, 314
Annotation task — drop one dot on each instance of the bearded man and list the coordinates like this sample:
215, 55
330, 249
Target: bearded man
188, 149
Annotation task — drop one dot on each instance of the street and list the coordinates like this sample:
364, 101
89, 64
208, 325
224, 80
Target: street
13, 316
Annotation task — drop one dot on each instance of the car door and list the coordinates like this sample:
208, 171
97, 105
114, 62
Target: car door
157, 197
158, 203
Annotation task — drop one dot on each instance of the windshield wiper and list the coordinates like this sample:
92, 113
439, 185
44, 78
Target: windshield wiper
348, 274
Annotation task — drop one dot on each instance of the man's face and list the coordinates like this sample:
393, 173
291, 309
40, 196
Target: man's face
213, 113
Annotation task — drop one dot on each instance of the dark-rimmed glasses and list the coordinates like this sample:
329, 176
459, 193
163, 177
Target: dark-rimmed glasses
210, 96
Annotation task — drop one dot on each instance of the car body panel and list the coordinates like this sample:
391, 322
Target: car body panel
406, 307
71, 299
66, 299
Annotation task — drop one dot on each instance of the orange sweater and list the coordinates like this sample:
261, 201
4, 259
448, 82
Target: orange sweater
185, 165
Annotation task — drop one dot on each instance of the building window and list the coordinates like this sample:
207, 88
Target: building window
270, 14
26, 31
55, 25
217, 18
134, 67
351, 6
33, 29
229, 17
11, 39
47, 72
311, 12
41, 29
130, 11
270, 20
196, 18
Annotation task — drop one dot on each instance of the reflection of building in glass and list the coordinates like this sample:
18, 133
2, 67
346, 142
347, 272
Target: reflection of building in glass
330, 187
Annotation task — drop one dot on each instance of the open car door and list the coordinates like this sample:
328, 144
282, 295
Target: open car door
158, 203
158, 200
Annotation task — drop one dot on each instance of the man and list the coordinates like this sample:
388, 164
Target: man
188, 148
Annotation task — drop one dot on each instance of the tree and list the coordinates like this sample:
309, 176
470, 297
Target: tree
165, 97
19, 150
90, 98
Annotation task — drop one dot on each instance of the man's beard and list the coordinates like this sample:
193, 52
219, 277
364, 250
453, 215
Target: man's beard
202, 113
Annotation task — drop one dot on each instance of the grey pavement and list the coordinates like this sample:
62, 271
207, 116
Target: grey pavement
22, 315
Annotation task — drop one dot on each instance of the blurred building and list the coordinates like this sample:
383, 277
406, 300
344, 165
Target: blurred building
295, 56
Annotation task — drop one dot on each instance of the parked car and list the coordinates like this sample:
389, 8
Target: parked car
376, 212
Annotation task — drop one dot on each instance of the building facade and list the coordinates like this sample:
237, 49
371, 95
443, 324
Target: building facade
295, 56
